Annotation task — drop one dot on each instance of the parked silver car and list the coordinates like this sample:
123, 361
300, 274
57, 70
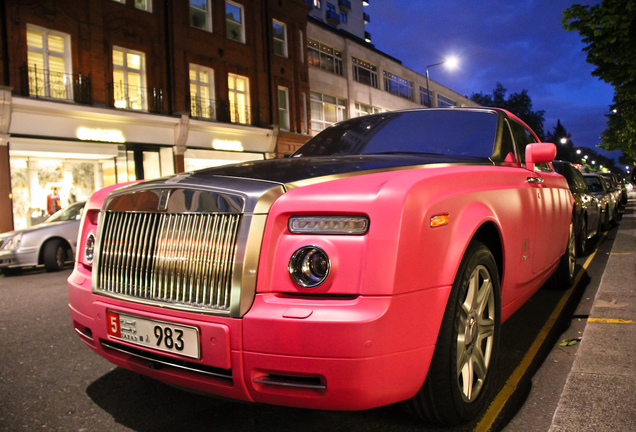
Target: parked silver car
50, 243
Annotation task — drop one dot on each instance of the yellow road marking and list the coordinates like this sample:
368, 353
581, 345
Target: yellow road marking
610, 321
498, 404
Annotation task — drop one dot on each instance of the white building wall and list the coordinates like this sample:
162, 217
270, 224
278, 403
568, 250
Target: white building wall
347, 88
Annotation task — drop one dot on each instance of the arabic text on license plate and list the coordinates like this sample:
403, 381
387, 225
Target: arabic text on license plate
158, 335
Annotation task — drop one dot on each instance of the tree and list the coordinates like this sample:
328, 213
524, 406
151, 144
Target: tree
561, 137
519, 104
609, 30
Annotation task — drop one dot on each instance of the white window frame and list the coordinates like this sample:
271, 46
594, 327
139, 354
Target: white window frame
364, 109
146, 6
318, 99
202, 111
278, 41
207, 13
239, 113
126, 71
241, 24
283, 110
46, 53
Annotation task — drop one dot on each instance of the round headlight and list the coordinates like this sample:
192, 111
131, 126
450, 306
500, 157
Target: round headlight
89, 249
309, 266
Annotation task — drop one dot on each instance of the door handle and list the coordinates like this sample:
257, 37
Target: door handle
535, 180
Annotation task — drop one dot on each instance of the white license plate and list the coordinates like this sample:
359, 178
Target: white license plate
158, 335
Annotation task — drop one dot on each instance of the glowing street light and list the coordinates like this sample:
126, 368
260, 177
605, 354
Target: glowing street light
451, 63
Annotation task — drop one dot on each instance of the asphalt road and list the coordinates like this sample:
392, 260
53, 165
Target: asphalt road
50, 381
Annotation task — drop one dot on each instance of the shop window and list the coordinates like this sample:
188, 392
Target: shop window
129, 79
280, 38
238, 95
202, 104
283, 108
234, 22
49, 63
325, 111
201, 14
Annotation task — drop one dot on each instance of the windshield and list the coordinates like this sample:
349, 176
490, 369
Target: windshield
594, 184
72, 212
445, 131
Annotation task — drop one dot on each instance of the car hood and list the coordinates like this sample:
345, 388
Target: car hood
295, 169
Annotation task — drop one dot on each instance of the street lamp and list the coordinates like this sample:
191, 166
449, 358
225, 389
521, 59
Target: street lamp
450, 63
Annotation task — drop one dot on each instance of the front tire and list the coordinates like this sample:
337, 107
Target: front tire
461, 369
54, 255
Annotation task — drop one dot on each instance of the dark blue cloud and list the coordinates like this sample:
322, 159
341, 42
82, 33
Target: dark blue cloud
520, 44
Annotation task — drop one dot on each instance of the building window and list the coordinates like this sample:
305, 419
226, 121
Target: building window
201, 14
239, 100
280, 38
331, 8
129, 79
365, 72
325, 111
145, 5
283, 108
362, 110
343, 17
302, 46
425, 98
49, 63
318, 4
324, 57
445, 102
234, 28
202, 92
398, 86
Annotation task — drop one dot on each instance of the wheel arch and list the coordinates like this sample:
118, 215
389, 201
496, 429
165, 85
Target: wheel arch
490, 236
65, 243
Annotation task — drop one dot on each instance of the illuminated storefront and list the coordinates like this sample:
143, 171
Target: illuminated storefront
57, 151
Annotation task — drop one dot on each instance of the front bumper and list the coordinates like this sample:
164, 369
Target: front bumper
340, 354
20, 258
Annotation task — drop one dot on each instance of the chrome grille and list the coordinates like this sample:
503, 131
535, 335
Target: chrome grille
183, 259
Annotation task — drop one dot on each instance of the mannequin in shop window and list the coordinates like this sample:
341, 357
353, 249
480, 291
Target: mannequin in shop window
53, 201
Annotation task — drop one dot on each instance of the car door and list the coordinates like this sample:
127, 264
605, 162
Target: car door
550, 195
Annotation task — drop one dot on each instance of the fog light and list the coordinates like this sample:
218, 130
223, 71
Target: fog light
89, 249
309, 266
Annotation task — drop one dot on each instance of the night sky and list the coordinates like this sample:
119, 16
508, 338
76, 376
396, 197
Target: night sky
520, 44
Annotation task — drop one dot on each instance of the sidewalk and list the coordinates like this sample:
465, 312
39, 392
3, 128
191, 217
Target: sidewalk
600, 391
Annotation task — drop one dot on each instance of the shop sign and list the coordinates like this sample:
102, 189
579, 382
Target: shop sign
106, 135
227, 145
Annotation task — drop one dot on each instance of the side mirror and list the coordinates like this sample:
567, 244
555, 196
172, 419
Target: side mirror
539, 153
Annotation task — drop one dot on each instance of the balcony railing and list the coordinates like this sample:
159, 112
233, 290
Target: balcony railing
202, 108
131, 97
366, 17
344, 5
224, 111
333, 18
46, 84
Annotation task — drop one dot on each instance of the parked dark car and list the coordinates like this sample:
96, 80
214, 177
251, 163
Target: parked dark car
615, 188
600, 188
587, 208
